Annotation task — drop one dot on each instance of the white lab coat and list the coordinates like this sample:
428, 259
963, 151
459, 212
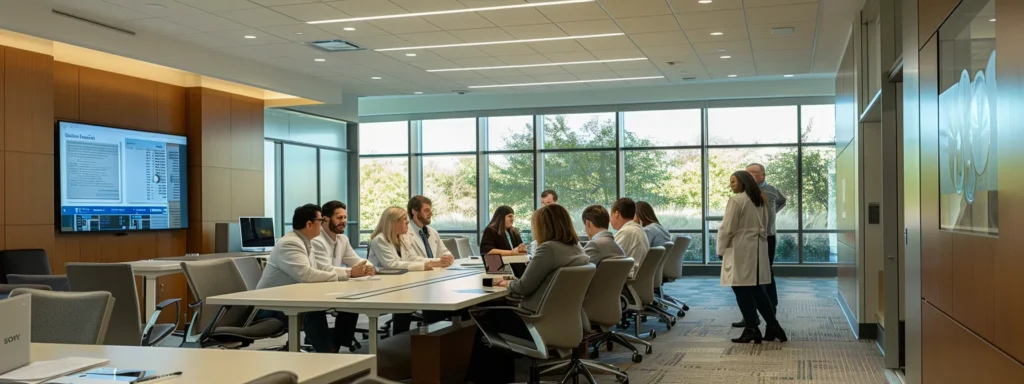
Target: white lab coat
743, 243
414, 242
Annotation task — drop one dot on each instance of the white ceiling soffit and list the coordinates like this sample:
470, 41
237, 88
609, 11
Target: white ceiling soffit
34, 17
680, 38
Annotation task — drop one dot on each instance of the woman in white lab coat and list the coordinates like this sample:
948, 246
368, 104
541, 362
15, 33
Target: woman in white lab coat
743, 248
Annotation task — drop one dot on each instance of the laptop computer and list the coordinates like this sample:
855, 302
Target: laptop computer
495, 265
16, 331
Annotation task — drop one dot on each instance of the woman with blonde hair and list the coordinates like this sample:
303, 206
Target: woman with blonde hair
557, 247
386, 245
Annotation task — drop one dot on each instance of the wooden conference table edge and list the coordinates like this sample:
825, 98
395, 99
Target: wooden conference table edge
215, 365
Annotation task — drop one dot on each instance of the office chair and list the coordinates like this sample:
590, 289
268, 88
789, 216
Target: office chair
280, 377
603, 312
638, 297
29, 267
250, 269
69, 317
673, 271
556, 328
462, 243
226, 326
119, 280
453, 247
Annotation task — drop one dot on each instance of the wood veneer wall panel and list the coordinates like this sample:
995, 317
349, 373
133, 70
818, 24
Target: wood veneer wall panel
2, 102
952, 354
28, 103
29, 189
973, 303
65, 91
118, 100
216, 129
172, 114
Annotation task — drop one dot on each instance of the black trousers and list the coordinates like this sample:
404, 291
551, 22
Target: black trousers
318, 333
401, 322
770, 289
754, 299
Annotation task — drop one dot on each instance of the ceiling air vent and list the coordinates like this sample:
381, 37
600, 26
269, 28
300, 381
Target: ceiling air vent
336, 45
690, 78
782, 31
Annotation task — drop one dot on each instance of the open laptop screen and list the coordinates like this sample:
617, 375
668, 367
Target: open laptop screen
493, 264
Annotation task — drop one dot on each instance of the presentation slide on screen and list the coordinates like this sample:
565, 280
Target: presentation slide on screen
121, 180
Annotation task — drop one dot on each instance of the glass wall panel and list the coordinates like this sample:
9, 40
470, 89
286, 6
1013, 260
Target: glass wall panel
384, 138
752, 125
785, 248
585, 130
510, 182
695, 252
510, 133
333, 176
270, 182
820, 247
581, 179
819, 187
780, 168
300, 176
818, 123
448, 135
670, 180
450, 183
662, 128
383, 183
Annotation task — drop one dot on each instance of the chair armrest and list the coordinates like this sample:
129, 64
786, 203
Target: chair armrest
196, 341
7, 288
501, 309
156, 314
532, 345
55, 282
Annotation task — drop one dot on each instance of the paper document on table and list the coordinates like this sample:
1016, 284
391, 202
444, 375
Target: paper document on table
364, 278
49, 369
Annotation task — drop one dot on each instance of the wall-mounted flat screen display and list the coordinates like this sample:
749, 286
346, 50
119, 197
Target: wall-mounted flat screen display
118, 180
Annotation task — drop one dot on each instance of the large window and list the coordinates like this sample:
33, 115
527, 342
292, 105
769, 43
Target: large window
678, 160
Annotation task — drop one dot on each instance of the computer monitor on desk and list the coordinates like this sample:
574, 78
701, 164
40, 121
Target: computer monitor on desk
257, 233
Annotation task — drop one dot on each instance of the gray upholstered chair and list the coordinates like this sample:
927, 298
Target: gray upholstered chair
26, 268
69, 317
556, 327
250, 269
603, 312
639, 295
453, 247
280, 377
673, 271
462, 243
223, 326
125, 327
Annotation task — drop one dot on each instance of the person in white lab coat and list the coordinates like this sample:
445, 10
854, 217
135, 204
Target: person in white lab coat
743, 248
425, 243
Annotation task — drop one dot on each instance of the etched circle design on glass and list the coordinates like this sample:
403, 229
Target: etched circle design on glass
981, 124
965, 92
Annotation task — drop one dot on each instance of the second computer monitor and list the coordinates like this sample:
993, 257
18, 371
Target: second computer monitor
257, 233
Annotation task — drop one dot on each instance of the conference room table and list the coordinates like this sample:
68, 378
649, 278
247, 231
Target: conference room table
151, 269
218, 365
441, 289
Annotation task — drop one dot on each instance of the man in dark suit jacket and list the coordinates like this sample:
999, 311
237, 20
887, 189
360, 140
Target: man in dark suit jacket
602, 244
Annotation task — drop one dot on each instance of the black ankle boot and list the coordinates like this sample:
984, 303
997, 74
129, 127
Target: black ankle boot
773, 332
749, 334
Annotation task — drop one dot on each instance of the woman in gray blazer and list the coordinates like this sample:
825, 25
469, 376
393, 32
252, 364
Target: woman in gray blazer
557, 247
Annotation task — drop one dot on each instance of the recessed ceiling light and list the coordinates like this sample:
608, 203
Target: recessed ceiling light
155, 6
787, 75
704, 2
411, 54
992, 20
721, 50
417, 93
567, 82
298, 33
349, 29
538, 65
725, 57
732, 75
250, 37
717, 33
501, 42
320, 60
375, 78
448, 12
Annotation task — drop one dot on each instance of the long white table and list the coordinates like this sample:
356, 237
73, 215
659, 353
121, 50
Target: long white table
218, 366
150, 270
440, 290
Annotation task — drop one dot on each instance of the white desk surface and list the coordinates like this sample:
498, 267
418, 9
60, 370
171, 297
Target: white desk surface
448, 295
214, 365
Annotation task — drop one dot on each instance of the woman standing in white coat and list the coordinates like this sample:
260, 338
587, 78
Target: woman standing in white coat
743, 248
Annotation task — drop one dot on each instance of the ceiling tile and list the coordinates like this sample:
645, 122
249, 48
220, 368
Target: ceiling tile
362, 28
204, 40
433, 64
715, 59
606, 43
598, 75
206, 22
421, 56
460, 75
782, 14
646, 24
291, 50
801, 29
724, 18
379, 42
704, 35
782, 56
459, 21
270, 3
646, 83
574, 12
459, 52
521, 79
592, 27
483, 35
238, 37
680, 6
630, 65
363, 8
567, 57
311, 12
780, 43
534, 31
542, 70
219, 5
520, 16
158, 26
158, 8
723, 46
624, 53
496, 73
429, 5
557, 46
258, 17
430, 38
473, 62
770, 3
507, 49
585, 68
299, 33
783, 68
669, 52
634, 8
555, 77
524, 59
99, 8
404, 25
639, 72
658, 39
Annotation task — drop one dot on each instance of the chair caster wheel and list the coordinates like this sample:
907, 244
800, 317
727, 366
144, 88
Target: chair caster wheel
638, 358
654, 335
643, 319
686, 307
353, 348
673, 322
681, 313
623, 381
649, 350
609, 346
